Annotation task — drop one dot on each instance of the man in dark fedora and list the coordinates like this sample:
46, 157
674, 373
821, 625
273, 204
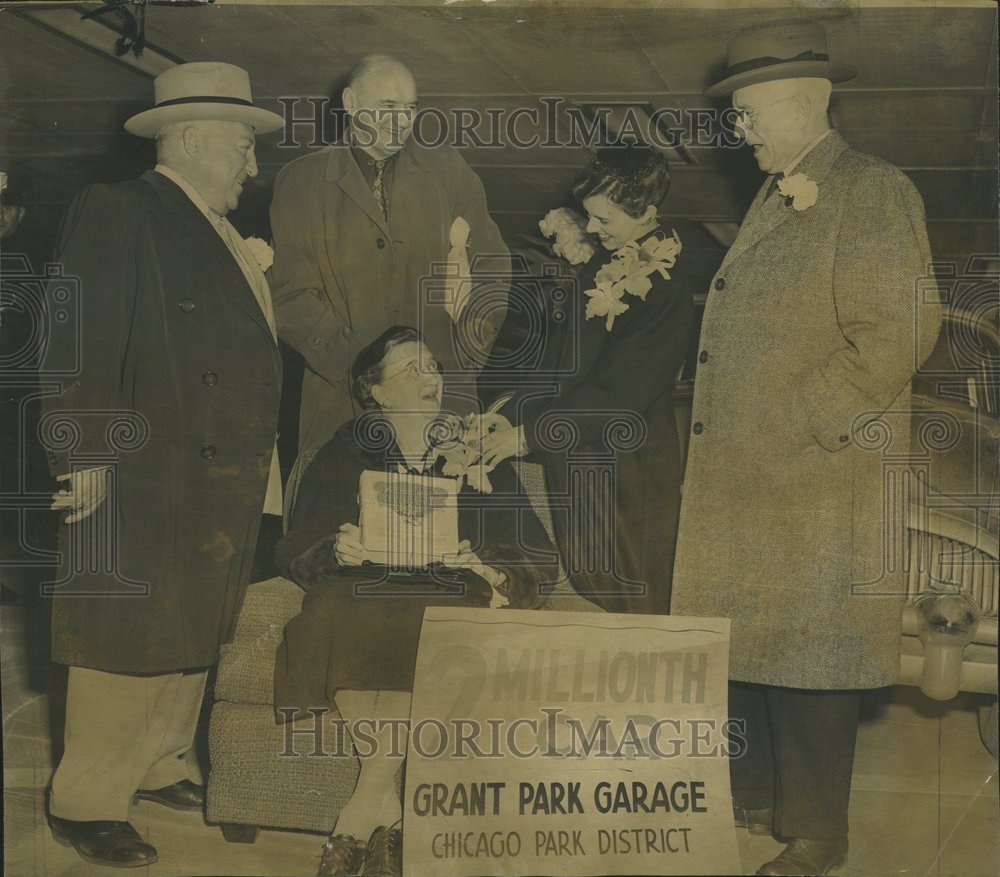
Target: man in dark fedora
813, 328
163, 442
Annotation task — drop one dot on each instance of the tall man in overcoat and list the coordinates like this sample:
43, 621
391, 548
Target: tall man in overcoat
367, 234
813, 328
163, 442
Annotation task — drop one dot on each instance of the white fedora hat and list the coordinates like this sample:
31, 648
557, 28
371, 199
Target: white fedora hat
202, 90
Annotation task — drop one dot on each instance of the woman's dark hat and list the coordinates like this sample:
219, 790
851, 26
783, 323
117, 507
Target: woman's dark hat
779, 50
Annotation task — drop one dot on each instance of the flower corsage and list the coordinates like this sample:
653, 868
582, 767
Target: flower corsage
262, 252
799, 191
629, 271
569, 229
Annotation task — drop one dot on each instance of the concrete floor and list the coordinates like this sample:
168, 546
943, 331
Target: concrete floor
924, 798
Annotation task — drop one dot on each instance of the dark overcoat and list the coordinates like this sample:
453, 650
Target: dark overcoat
360, 631
598, 412
176, 387
791, 523
343, 273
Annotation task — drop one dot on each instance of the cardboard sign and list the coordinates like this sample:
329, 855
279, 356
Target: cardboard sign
558, 743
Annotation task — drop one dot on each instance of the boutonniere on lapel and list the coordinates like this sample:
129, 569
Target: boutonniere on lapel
799, 191
569, 229
628, 272
262, 252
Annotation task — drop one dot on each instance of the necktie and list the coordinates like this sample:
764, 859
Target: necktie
777, 178
378, 189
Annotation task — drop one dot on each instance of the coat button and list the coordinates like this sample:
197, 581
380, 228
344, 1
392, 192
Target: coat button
698, 428
186, 305
347, 333
703, 356
210, 379
720, 283
380, 243
208, 452
844, 439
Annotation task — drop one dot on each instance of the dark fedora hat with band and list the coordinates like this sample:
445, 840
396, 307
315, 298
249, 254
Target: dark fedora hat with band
202, 91
779, 50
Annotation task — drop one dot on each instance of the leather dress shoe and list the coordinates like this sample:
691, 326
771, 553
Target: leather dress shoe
384, 856
343, 856
104, 842
758, 822
183, 795
811, 857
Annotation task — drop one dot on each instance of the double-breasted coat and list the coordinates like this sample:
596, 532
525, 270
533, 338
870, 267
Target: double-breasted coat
343, 273
790, 521
176, 387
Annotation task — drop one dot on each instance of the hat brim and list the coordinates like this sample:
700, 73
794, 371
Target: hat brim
791, 70
148, 122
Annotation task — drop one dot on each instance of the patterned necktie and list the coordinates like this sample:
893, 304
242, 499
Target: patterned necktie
378, 189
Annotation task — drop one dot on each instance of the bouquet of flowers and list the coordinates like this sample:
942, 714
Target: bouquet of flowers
569, 229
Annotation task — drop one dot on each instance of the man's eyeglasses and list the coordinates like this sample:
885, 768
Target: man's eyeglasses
746, 119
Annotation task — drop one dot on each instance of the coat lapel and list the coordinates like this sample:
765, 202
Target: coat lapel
767, 214
197, 238
348, 176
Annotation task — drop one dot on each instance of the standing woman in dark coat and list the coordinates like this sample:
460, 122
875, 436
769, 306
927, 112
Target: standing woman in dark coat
607, 435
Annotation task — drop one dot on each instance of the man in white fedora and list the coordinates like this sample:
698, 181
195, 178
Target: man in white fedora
813, 328
163, 444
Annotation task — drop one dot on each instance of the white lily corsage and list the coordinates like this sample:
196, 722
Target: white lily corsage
459, 441
629, 271
799, 191
262, 252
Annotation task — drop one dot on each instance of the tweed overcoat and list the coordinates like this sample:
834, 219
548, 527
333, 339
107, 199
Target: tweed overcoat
343, 274
813, 328
177, 389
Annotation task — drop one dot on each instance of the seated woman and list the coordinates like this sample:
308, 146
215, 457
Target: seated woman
355, 641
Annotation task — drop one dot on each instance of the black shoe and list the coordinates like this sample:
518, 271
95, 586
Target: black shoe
384, 856
343, 856
759, 822
184, 795
807, 857
104, 842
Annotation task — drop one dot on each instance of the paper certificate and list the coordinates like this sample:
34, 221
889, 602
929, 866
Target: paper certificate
408, 521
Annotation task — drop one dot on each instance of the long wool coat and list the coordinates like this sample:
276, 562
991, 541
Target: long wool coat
814, 325
175, 349
343, 274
